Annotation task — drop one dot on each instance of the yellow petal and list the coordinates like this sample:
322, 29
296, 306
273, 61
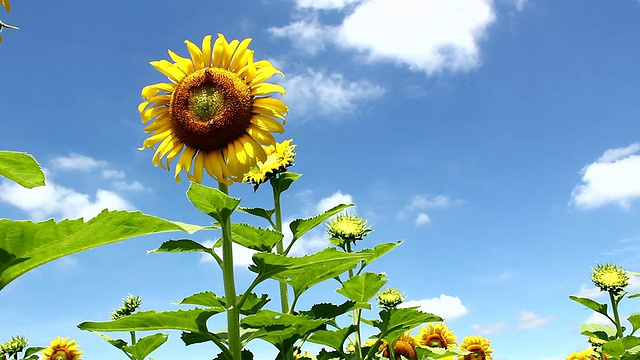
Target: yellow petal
184, 162
213, 164
183, 64
266, 89
170, 70
219, 47
240, 55
206, 51
228, 53
198, 168
196, 54
261, 136
150, 91
264, 73
267, 123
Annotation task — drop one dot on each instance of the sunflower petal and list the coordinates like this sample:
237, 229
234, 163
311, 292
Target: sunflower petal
181, 63
206, 51
150, 91
170, 70
228, 53
267, 123
196, 54
240, 55
266, 89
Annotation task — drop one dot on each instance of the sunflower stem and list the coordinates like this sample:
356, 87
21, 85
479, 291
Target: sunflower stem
133, 337
284, 292
233, 313
357, 314
616, 316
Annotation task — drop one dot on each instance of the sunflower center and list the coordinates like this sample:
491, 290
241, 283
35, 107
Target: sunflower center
59, 355
476, 353
210, 108
436, 341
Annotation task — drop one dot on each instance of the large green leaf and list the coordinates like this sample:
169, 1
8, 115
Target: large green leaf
394, 322
255, 238
212, 202
328, 310
300, 226
361, 288
602, 332
146, 345
634, 319
21, 168
194, 320
25, 245
593, 305
182, 245
628, 344
282, 182
252, 303
281, 330
333, 338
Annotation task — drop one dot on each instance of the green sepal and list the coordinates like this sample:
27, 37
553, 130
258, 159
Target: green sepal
602, 332
212, 202
362, 288
300, 226
146, 345
21, 168
25, 245
593, 305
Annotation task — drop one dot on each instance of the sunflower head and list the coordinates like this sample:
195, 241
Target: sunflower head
437, 335
13, 346
129, 305
279, 158
345, 228
609, 277
215, 113
586, 354
405, 345
60, 349
390, 298
479, 347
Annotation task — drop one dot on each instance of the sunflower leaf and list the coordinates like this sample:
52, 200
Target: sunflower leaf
21, 168
602, 332
283, 181
182, 245
617, 348
25, 245
255, 238
438, 353
394, 322
146, 345
212, 202
279, 329
634, 319
333, 338
593, 305
260, 212
361, 288
300, 226
194, 320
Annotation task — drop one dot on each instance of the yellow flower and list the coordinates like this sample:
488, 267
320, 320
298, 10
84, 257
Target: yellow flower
215, 113
305, 356
279, 158
346, 228
390, 298
436, 336
6, 5
587, 354
479, 347
60, 349
609, 277
404, 345
11, 347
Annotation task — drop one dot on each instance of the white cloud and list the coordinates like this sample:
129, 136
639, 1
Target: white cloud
77, 162
613, 178
426, 202
597, 318
307, 36
241, 255
113, 174
335, 199
531, 320
445, 306
589, 291
422, 219
132, 186
60, 202
324, 4
490, 328
426, 35
338, 96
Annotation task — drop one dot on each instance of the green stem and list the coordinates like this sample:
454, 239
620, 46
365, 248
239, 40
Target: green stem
133, 337
233, 313
284, 291
614, 306
357, 315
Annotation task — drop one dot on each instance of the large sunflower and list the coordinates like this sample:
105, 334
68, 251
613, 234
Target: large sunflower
60, 349
216, 111
436, 336
479, 347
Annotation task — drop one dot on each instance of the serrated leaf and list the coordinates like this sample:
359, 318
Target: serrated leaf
255, 238
25, 245
634, 319
378, 251
182, 245
394, 322
212, 202
593, 305
281, 330
300, 226
260, 212
333, 338
205, 298
603, 332
245, 354
21, 168
146, 345
328, 310
620, 346
361, 288
283, 181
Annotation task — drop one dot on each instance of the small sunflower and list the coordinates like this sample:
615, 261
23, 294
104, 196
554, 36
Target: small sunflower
479, 347
346, 228
305, 356
609, 277
14, 346
404, 345
587, 354
437, 335
215, 113
279, 158
390, 298
60, 349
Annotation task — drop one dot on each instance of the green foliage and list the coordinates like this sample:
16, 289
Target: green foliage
362, 288
25, 245
593, 305
429, 353
300, 226
212, 202
394, 322
335, 339
255, 238
602, 332
21, 168
146, 345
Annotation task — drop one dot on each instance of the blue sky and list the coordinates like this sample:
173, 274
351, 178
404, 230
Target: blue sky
499, 139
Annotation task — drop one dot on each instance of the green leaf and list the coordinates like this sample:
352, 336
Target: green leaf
282, 182
25, 245
328, 311
33, 350
146, 345
333, 338
281, 330
300, 226
182, 245
378, 251
255, 238
260, 212
205, 298
595, 306
394, 322
602, 332
361, 288
620, 346
21, 168
117, 343
634, 319
439, 353
212, 202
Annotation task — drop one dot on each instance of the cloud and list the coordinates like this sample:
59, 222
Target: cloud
613, 178
241, 255
308, 36
132, 186
337, 95
60, 202
597, 318
76, 162
445, 306
589, 291
335, 199
426, 202
422, 219
490, 328
324, 4
531, 320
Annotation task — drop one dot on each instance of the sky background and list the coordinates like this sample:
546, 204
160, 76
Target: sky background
499, 139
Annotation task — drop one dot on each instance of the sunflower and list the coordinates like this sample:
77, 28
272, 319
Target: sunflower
279, 158
609, 277
404, 345
60, 349
346, 228
6, 5
436, 336
215, 113
390, 298
305, 356
479, 347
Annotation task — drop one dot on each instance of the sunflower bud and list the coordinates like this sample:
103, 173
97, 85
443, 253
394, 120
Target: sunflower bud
129, 305
390, 298
609, 277
12, 347
345, 229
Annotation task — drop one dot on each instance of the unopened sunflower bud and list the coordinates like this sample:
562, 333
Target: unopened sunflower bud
609, 277
129, 305
347, 228
390, 298
12, 347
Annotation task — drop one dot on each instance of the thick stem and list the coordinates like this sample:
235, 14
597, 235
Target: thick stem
614, 306
233, 313
357, 314
133, 338
284, 291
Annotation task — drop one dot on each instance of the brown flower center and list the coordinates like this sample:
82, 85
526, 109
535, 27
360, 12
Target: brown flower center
477, 353
60, 355
435, 340
210, 108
